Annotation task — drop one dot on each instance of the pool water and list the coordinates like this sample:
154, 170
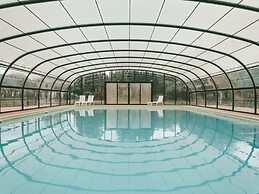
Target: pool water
129, 151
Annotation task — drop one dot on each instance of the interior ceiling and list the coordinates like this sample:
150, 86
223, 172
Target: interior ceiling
189, 39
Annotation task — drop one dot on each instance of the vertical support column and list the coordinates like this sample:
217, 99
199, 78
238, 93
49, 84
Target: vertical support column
164, 88
255, 101
128, 93
217, 96
205, 96
187, 97
67, 102
233, 100
196, 96
93, 85
153, 86
81, 85
39, 98
60, 98
102, 88
175, 95
117, 88
50, 97
105, 92
23, 98
69, 96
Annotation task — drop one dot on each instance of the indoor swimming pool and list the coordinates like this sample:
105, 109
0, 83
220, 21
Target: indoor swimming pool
129, 151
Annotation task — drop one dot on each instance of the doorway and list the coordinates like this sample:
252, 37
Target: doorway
128, 92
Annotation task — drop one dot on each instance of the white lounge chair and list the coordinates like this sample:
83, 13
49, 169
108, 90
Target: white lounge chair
90, 100
81, 100
159, 101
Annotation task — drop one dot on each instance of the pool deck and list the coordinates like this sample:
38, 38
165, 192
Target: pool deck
49, 110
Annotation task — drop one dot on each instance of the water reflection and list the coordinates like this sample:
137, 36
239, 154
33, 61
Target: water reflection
61, 153
128, 125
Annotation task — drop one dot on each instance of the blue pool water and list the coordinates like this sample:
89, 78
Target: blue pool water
129, 151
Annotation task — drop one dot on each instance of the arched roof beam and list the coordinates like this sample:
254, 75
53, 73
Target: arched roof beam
124, 50
144, 24
136, 40
122, 57
218, 2
22, 3
115, 67
228, 4
139, 69
124, 62
131, 66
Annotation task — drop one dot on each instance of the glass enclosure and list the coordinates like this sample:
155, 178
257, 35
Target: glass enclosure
53, 51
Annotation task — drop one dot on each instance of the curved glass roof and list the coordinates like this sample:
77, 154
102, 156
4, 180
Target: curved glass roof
190, 39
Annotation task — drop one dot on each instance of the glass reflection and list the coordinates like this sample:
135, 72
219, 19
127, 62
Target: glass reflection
127, 125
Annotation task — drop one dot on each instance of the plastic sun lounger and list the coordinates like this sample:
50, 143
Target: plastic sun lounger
90, 100
159, 101
81, 100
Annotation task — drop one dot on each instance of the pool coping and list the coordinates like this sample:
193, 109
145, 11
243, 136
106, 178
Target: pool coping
10, 117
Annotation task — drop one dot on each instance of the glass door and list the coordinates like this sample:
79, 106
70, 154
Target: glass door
111, 93
134, 93
128, 93
123, 93
145, 93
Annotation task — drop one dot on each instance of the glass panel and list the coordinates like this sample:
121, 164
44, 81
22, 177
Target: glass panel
55, 98
63, 98
201, 98
88, 85
170, 90
257, 92
158, 86
198, 84
134, 93
47, 83
44, 98
111, 93
98, 88
208, 83
122, 93
240, 79
129, 75
30, 99
33, 81
14, 77
211, 99
145, 93
255, 74
11, 99
221, 81
244, 100
225, 99
192, 98
72, 98
181, 93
